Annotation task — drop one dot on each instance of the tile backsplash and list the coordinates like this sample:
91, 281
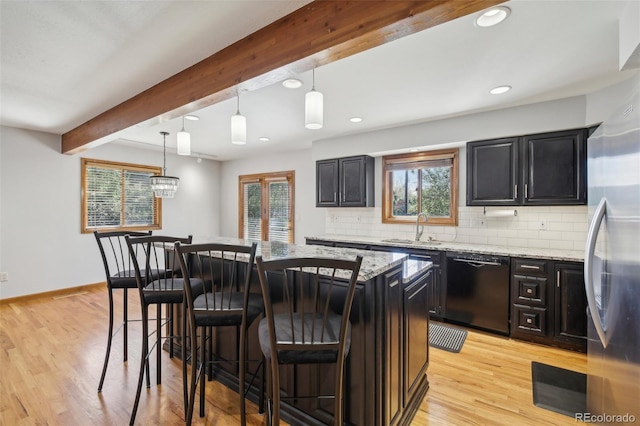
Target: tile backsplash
554, 227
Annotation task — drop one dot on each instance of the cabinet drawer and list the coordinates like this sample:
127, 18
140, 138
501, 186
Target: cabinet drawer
529, 320
529, 266
529, 290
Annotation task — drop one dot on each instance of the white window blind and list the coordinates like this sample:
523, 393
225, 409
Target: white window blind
252, 211
266, 208
118, 195
279, 212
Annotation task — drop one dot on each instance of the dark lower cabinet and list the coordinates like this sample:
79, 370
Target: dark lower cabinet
548, 303
571, 303
394, 338
416, 332
437, 292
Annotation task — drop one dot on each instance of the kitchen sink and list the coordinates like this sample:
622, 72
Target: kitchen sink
398, 240
408, 241
428, 243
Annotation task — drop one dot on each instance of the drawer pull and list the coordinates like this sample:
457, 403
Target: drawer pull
530, 267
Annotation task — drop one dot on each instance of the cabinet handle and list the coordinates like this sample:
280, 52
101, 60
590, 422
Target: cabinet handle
558, 279
530, 267
417, 291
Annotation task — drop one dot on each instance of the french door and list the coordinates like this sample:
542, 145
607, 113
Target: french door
266, 207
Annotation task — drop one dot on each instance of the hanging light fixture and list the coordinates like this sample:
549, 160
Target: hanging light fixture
184, 141
313, 107
238, 127
164, 186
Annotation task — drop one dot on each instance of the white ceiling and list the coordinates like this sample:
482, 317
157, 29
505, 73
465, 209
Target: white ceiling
64, 62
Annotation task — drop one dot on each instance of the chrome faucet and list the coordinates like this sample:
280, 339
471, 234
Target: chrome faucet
420, 229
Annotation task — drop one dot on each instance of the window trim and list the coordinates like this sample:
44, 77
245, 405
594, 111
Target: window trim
390, 160
264, 178
90, 162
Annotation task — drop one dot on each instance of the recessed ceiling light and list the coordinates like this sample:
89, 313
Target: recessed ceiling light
500, 90
192, 117
292, 83
355, 119
263, 139
493, 16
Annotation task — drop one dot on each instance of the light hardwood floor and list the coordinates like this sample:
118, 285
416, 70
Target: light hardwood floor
53, 348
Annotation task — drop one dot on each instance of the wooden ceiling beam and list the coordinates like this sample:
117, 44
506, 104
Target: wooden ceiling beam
319, 33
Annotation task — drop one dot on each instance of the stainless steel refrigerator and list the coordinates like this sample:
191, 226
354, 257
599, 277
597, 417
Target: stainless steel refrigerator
612, 267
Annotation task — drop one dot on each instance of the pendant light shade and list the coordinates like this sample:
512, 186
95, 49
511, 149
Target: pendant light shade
184, 141
164, 186
313, 107
238, 127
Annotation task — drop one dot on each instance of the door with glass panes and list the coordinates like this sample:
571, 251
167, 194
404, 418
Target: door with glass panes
266, 207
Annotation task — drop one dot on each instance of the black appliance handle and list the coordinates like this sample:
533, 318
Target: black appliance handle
476, 263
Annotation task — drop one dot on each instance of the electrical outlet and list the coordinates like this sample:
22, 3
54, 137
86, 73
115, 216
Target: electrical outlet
479, 223
542, 225
4, 276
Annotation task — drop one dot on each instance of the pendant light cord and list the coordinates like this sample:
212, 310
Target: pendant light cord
164, 155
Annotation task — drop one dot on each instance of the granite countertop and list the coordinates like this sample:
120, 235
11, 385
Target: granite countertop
530, 252
373, 264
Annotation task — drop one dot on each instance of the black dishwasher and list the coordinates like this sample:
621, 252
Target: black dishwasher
478, 291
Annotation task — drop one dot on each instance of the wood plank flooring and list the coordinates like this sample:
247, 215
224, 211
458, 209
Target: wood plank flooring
52, 350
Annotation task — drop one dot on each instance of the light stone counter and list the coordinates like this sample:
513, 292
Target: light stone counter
531, 252
374, 263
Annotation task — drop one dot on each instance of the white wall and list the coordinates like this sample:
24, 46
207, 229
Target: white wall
42, 247
308, 219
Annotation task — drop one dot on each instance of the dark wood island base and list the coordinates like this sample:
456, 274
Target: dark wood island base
385, 375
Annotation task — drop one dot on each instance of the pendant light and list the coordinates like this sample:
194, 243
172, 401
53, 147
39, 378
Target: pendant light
184, 141
313, 105
238, 127
164, 186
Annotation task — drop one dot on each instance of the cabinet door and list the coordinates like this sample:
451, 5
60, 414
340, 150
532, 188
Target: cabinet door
416, 332
327, 183
571, 303
356, 181
436, 294
554, 168
393, 364
492, 172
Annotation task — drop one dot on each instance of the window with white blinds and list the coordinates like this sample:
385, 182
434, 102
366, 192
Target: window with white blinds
266, 207
118, 196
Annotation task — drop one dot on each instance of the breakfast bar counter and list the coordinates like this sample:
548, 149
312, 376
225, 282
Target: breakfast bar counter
385, 375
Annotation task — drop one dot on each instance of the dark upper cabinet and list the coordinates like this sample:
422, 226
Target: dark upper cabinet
492, 172
345, 182
327, 183
541, 169
554, 166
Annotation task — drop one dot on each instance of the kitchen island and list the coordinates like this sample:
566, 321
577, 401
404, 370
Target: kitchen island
385, 374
